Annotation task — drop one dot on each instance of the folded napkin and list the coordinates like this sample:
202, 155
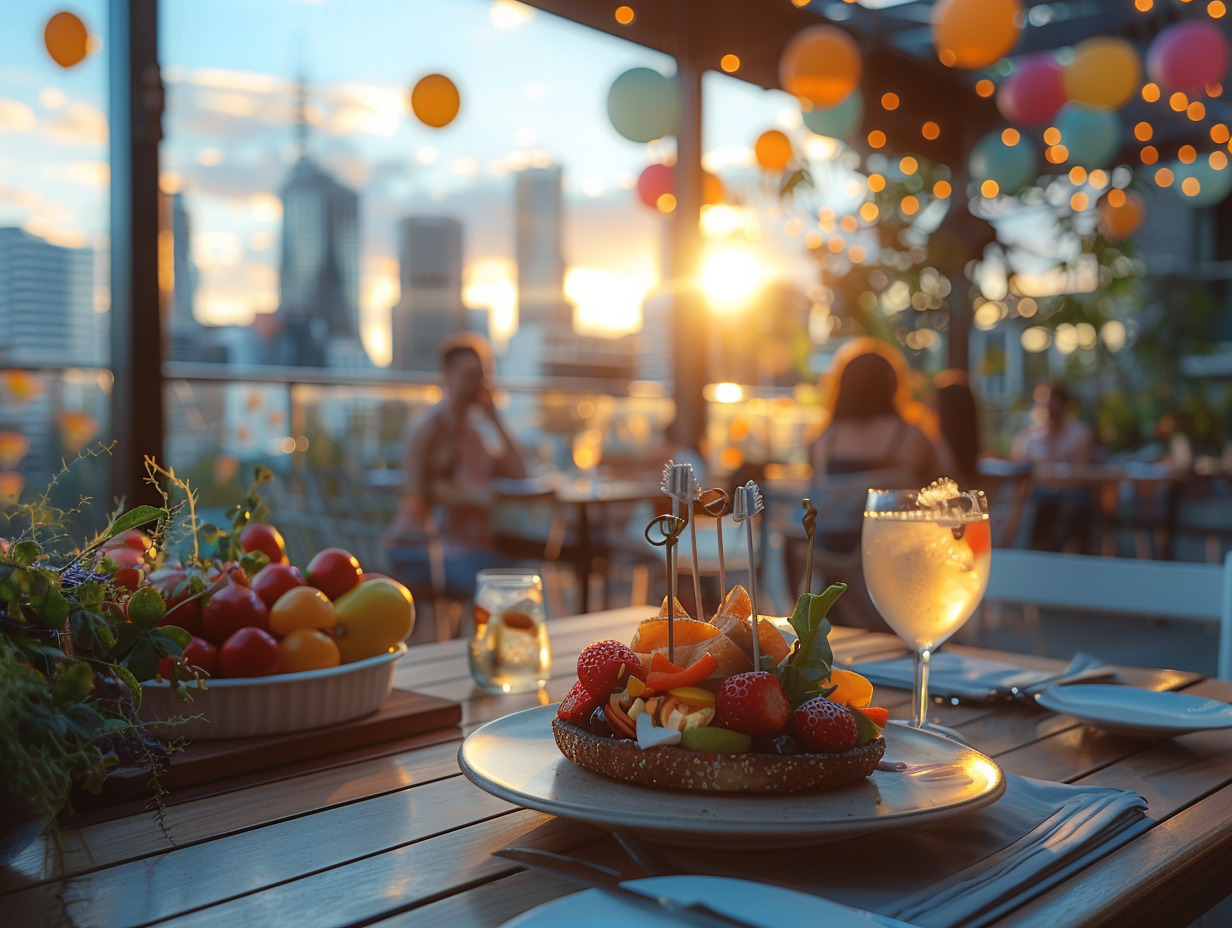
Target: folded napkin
967, 870
958, 676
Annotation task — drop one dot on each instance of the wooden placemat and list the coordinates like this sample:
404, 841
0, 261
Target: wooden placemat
403, 715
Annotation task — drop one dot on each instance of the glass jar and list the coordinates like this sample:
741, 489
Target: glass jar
510, 652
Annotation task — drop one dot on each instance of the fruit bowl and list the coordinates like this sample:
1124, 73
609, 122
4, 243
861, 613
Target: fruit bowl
249, 707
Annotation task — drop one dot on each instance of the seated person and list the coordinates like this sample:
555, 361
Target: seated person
1062, 515
450, 472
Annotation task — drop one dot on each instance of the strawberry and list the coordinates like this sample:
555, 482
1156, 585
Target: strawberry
753, 703
604, 666
578, 705
822, 726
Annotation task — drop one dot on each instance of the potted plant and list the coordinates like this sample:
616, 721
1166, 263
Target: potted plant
74, 642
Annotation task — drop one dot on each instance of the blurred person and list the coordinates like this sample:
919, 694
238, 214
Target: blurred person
867, 431
449, 471
959, 425
1062, 515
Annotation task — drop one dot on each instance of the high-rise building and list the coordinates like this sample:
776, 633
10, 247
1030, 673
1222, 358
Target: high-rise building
319, 271
184, 335
46, 302
431, 307
538, 233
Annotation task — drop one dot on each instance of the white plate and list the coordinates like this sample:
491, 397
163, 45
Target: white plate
756, 903
248, 707
516, 758
1129, 710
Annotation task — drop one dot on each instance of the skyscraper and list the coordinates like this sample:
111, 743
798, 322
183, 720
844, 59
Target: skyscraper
431, 307
538, 231
184, 335
46, 302
319, 271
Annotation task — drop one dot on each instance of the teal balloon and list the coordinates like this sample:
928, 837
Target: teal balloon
643, 105
1011, 166
1214, 185
837, 122
1092, 137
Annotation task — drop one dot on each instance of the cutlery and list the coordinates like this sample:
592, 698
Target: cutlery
594, 876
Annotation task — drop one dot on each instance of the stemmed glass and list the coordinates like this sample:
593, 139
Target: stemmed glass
926, 556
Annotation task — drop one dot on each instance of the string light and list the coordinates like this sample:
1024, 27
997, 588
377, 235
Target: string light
1056, 154
1214, 90
908, 165
869, 212
1098, 179
1191, 186
1144, 6
989, 189
836, 244
1116, 198
876, 139
1215, 9
910, 206
624, 15
930, 130
1078, 202
1010, 137
1077, 175
730, 63
1219, 133
848, 224
1178, 101
1052, 136
1163, 177
1217, 160
876, 183
941, 189
1143, 132
1149, 154
1150, 92
1196, 111
856, 253
985, 88
889, 101
1187, 154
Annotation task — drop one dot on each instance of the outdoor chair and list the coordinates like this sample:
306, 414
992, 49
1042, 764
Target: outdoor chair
1125, 586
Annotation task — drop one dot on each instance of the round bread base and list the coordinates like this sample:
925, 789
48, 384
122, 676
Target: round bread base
699, 772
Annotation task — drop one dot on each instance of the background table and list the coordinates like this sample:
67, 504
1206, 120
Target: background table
393, 835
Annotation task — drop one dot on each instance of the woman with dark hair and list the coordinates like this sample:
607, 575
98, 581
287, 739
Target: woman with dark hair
866, 432
959, 422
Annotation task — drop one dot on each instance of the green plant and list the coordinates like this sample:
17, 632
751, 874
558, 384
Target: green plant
74, 645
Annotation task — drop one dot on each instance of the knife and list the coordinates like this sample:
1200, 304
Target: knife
594, 876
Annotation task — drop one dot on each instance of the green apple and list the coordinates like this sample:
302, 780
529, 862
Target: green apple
372, 617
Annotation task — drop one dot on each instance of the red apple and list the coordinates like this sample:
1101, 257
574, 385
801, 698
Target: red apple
333, 571
257, 536
233, 607
249, 652
272, 580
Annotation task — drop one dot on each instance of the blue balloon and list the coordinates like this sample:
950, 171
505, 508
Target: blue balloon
643, 105
837, 122
1092, 137
1214, 184
1011, 166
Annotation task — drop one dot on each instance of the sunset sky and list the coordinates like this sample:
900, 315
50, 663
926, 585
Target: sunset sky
533, 91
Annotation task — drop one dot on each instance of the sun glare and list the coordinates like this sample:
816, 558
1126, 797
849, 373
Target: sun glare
731, 277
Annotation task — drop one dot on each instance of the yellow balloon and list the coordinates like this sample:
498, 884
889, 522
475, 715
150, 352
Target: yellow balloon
66, 39
773, 150
821, 64
975, 33
435, 100
1104, 73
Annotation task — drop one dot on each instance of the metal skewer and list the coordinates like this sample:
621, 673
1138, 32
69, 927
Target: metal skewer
670, 528
716, 506
809, 521
748, 504
681, 486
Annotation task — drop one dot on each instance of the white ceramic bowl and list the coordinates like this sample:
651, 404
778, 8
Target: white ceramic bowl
248, 707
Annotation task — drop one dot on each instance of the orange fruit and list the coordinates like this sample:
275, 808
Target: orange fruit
853, 690
301, 607
307, 649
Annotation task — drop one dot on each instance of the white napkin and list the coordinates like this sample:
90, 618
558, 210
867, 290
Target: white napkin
967, 870
977, 678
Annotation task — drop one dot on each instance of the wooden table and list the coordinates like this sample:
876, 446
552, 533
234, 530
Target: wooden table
395, 836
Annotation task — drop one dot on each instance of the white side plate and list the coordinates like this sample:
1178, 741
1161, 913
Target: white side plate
1129, 710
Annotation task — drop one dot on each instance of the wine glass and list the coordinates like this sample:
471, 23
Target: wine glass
926, 557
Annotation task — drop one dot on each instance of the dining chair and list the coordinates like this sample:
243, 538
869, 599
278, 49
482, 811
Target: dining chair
1126, 586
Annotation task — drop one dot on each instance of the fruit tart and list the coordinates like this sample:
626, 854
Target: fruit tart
710, 721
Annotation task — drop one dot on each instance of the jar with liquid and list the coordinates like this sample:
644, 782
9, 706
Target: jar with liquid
510, 652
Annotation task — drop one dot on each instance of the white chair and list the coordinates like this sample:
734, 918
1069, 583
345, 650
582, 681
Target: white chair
1165, 589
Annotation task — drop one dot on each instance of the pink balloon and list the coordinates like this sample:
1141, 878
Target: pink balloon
1188, 56
1034, 92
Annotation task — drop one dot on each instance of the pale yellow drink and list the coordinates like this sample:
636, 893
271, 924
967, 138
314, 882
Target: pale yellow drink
926, 571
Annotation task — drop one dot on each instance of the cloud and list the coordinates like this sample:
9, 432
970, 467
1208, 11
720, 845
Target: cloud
79, 124
16, 116
93, 174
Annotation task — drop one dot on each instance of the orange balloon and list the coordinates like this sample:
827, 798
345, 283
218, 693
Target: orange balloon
821, 64
1104, 74
773, 150
975, 33
435, 100
712, 189
66, 39
1120, 221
